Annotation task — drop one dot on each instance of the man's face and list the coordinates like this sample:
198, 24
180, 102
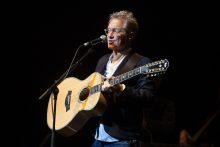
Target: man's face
116, 35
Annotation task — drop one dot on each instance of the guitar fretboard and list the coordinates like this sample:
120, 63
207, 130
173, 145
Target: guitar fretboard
125, 76
151, 69
96, 88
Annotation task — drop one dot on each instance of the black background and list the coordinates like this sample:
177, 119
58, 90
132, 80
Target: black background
179, 33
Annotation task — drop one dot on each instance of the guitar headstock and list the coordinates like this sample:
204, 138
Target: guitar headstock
155, 68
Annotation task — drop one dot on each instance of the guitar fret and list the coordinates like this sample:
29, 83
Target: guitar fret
123, 77
137, 71
130, 73
92, 90
96, 88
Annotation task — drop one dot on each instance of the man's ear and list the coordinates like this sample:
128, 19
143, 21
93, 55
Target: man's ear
131, 35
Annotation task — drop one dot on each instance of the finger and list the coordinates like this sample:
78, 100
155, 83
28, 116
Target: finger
111, 77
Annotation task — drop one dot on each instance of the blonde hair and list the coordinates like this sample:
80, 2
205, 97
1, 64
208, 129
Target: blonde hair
131, 21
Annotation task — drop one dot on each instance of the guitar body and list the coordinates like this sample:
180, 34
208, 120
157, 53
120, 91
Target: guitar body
75, 102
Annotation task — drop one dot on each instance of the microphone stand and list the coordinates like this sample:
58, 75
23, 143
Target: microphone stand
53, 88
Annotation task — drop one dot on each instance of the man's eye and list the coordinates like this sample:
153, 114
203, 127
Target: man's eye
117, 30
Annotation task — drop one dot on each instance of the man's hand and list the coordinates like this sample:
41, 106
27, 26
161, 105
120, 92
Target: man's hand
106, 85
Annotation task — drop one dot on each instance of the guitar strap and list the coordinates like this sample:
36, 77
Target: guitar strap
130, 64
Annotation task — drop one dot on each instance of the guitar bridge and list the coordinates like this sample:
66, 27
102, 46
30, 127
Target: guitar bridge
67, 100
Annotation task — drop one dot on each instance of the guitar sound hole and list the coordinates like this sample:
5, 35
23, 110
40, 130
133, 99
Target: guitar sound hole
84, 94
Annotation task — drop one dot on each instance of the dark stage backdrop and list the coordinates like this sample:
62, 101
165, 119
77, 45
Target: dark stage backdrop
178, 33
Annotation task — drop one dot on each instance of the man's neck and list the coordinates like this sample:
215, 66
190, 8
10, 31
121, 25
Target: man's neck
117, 55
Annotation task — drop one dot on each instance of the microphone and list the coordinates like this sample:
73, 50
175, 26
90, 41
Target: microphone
101, 39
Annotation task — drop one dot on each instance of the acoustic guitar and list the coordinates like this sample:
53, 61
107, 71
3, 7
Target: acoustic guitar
80, 100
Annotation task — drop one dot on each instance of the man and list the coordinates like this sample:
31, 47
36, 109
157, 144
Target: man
121, 123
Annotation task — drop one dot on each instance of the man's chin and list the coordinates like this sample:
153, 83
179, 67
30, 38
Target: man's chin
111, 46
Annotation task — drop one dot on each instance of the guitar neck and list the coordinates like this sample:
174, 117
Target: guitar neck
117, 80
125, 76
150, 69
